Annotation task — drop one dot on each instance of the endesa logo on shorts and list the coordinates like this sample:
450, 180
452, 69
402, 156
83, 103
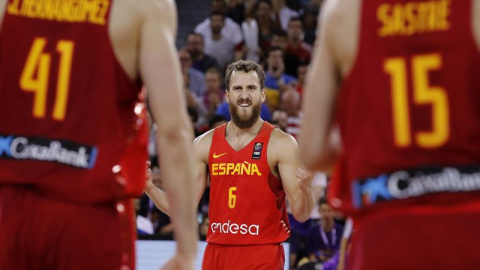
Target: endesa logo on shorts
41, 149
413, 183
234, 228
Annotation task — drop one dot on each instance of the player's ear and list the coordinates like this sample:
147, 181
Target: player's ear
263, 95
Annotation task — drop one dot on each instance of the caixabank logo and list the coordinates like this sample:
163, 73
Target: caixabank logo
42, 149
413, 183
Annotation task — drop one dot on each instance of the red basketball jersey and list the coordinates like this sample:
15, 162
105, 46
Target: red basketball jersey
71, 123
409, 110
247, 202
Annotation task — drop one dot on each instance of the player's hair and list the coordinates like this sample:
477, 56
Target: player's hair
245, 66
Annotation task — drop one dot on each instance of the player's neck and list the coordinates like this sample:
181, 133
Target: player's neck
253, 130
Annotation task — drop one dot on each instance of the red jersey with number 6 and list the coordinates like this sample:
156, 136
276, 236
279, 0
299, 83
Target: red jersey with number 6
247, 202
409, 110
71, 122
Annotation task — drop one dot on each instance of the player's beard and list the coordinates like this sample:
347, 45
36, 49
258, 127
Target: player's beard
241, 122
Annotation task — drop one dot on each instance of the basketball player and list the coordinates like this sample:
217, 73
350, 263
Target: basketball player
73, 131
401, 80
253, 168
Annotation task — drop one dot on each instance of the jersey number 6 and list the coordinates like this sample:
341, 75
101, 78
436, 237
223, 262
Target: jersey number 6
232, 198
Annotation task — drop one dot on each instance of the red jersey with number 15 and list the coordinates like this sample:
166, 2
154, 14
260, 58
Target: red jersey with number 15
247, 202
71, 122
409, 110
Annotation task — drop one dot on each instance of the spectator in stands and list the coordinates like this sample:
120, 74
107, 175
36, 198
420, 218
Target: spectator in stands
224, 45
217, 120
266, 25
204, 227
231, 27
310, 26
290, 103
280, 39
236, 10
301, 74
201, 60
297, 50
275, 78
213, 97
194, 80
194, 83
279, 120
324, 238
283, 13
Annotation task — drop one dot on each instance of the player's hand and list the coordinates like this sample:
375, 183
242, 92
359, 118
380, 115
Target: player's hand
149, 182
305, 178
180, 262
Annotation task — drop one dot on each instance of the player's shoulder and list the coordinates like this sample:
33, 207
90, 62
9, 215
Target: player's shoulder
203, 143
153, 4
147, 8
337, 11
280, 140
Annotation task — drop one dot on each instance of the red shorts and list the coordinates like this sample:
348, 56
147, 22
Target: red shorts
37, 232
418, 238
259, 257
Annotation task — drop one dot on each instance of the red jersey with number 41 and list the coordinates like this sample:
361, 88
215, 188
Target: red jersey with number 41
247, 202
409, 110
71, 124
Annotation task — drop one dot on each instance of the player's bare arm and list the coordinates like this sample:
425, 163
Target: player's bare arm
332, 60
297, 181
476, 22
201, 147
3, 6
156, 54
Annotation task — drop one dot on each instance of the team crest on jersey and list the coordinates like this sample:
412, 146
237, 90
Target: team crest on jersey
257, 150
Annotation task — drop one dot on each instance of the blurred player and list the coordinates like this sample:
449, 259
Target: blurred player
253, 167
73, 131
404, 88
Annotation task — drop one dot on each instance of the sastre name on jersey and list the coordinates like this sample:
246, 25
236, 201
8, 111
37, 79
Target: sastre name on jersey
405, 19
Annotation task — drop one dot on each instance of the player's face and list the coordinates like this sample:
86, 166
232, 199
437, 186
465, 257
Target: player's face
245, 98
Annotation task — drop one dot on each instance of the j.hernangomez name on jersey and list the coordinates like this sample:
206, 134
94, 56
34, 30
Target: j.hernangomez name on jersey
74, 11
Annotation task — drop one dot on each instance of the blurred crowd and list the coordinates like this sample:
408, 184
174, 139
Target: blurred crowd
280, 35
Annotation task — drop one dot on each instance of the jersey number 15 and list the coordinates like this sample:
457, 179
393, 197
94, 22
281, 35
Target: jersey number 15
423, 94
